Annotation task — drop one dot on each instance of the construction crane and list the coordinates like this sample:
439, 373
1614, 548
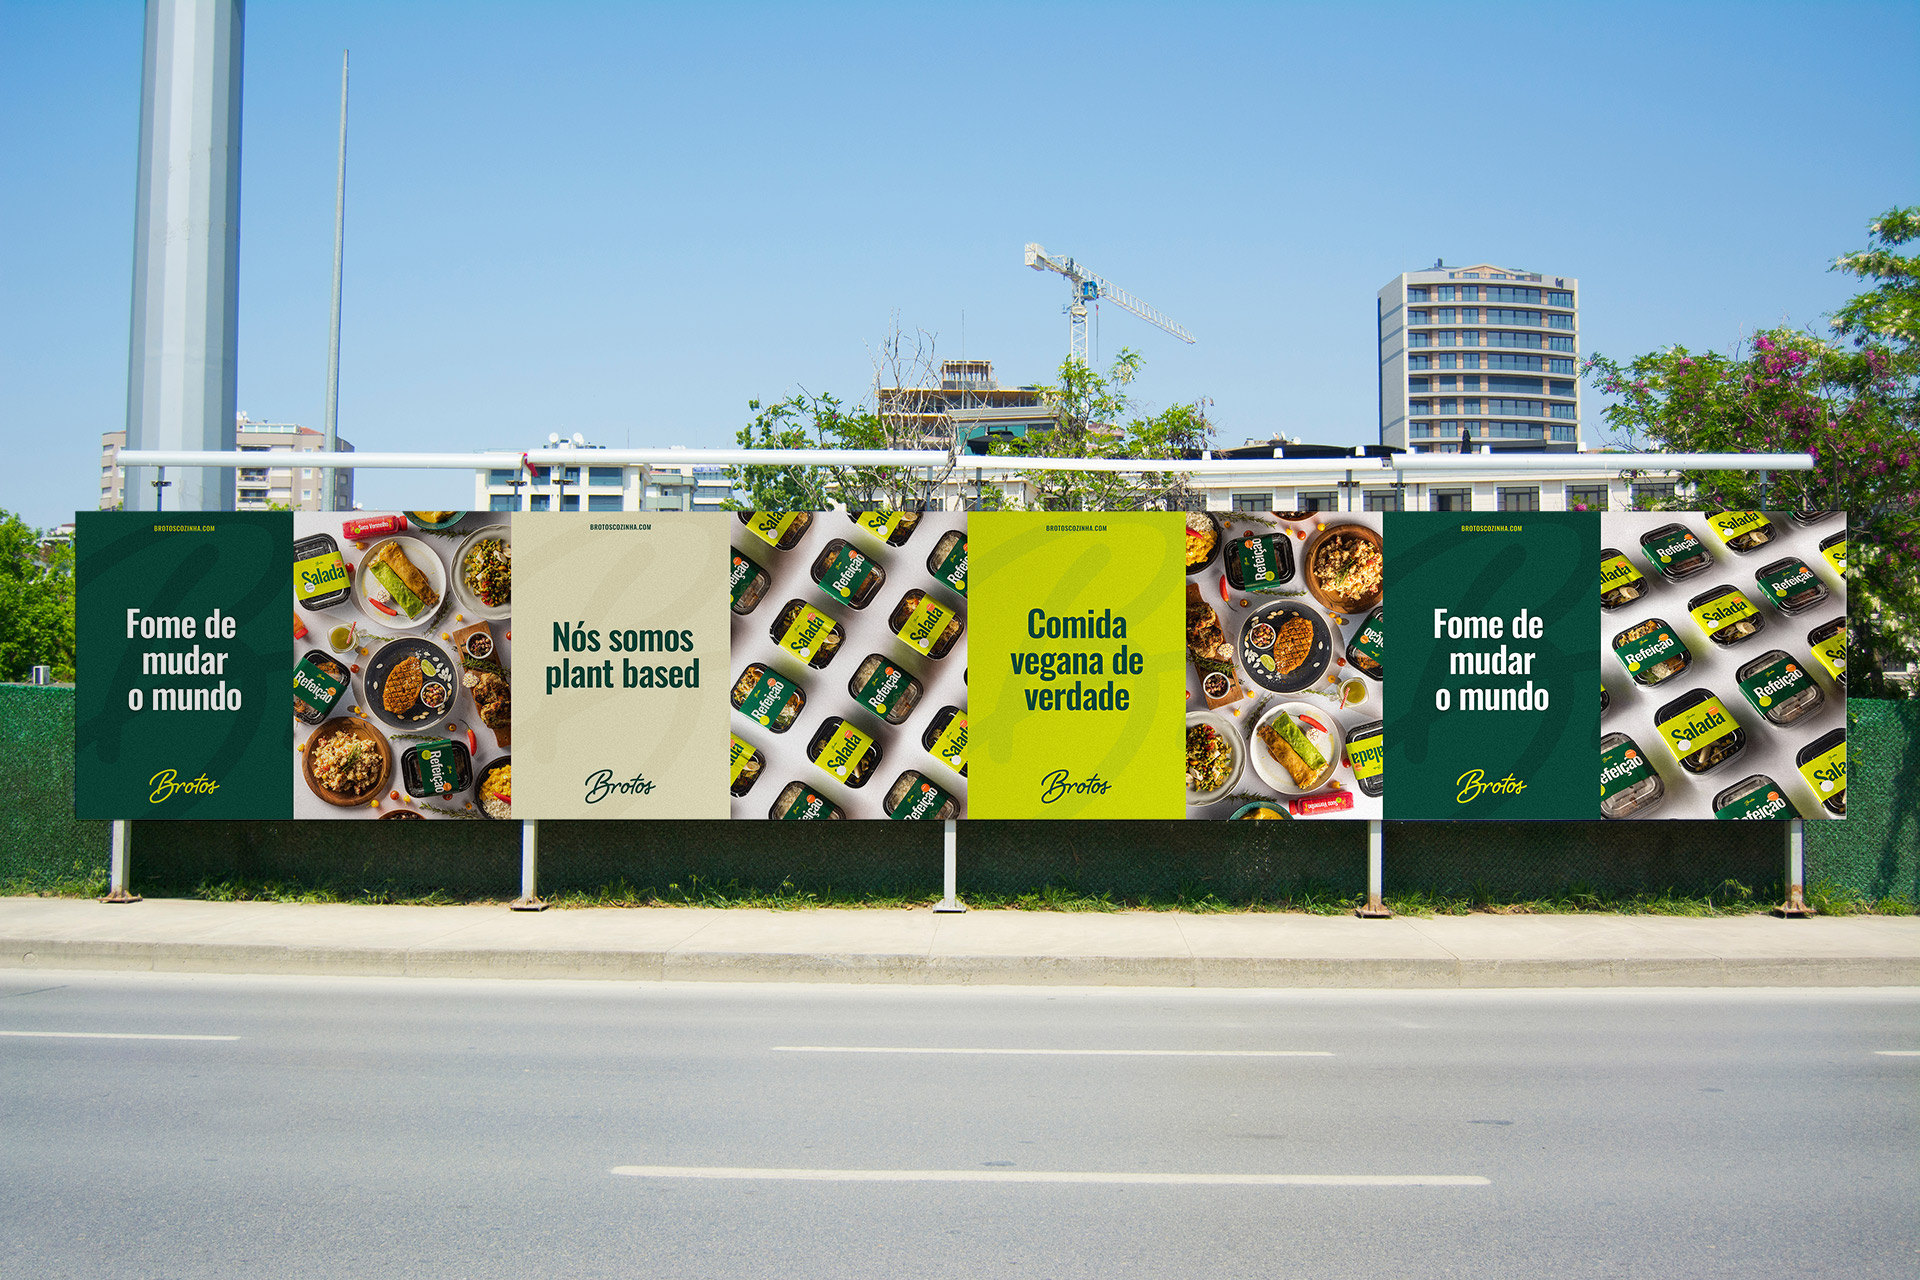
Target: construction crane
1090, 288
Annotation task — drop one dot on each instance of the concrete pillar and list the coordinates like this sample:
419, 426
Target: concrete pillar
186, 250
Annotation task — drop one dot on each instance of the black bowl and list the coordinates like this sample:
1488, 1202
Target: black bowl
419, 715
1311, 669
1219, 540
480, 773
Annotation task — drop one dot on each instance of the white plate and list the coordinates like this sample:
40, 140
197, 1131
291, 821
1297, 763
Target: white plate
1234, 742
470, 603
1271, 771
425, 559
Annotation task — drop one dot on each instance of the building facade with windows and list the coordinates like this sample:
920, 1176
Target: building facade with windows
1482, 357
585, 486
298, 488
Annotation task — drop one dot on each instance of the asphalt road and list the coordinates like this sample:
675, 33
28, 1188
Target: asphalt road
395, 1127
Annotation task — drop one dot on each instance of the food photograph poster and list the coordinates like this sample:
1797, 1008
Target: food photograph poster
1225, 665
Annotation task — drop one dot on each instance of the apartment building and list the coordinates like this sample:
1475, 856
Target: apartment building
297, 488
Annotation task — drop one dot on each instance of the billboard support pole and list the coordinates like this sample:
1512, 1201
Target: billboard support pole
1376, 849
529, 899
950, 876
1795, 907
117, 868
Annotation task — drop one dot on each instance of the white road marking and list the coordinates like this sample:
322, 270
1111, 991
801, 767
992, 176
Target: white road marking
107, 1035
1051, 1175
1063, 1053
1898, 1053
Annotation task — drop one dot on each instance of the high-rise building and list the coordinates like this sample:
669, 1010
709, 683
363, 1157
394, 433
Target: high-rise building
1481, 355
255, 488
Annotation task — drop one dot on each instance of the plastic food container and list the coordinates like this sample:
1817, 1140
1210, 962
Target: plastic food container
1755, 797
799, 802
945, 738
318, 682
847, 753
748, 583
1620, 582
1790, 586
885, 688
1780, 689
1726, 615
1829, 641
780, 531
746, 764
1834, 548
1365, 651
947, 562
1628, 783
1700, 731
1606, 699
891, 527
914, 795
765, 696
925, 624
1741, 531
441, 767
1260, 561
1823, 763
1675, 553
1812, 517
845, 573
806, 633
1652, 652
1367, 755
320, 578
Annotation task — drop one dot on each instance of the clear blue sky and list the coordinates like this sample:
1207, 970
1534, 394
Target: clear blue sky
627, 220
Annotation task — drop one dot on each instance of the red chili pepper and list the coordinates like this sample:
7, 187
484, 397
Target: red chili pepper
473, 743
1223, 590
391, 613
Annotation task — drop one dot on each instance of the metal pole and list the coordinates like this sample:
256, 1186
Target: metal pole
951, 873
117, 868
529, 899
333, 338
1376, 849
1795, 907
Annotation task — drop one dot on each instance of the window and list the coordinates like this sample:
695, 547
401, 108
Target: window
1445, 293
534, 475
1419, 340
1470, 292
1560, 344
1328, 501
1449, 406
1446, 362
1506, 315
1470, 362
1586, 497
306, 495
538, 502
254, 473
1534, 385
1449, 383
1562, 388
1470, 384
1420, 429
1554, 364
1253, 502
1566, 433
1514, 362
1469, 315
1416, 293
603, 502
1514, 430
1416, 317
1382, 500
1559, 322
1518, 340
569, 502
1413, 407
1450, 499
1444, 338
1419, 362
502, 475
1507, 293
1653, 491
606, 476
1514, 408
1559, 299
1443, 316
1526, 498
1418, 384
502, 502
1470, 406
570, 475
307, 474
1563, 411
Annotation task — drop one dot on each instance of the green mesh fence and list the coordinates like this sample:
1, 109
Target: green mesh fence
1876, 851
42, 847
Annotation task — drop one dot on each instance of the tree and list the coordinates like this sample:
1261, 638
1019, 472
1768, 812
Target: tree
36, 602
1851, 406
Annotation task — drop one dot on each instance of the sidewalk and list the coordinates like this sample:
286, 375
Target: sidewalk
1135, 948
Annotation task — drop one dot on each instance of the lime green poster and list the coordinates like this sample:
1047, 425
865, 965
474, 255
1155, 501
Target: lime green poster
1078, 632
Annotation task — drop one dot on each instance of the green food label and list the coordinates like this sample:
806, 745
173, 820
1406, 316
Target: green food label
841, 754
1674, 548
1617, 572
1696, 727
1776, 682
1649, 651
318, 576
1758, 805
846, 574
1372, 640
880, 524
950, 748
742, 752
1785, 582
768, 697
1724, 611
1621, 766
1826, 773
742, 577
1367, 755
925, 624
1836, 554
922, 800
953, 569
1259, 559
319, 689
883, 690
771, 526
804, 634
808, 806
438, 766
1832, 653
1732, 524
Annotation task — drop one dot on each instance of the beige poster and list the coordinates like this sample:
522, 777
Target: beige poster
622, 674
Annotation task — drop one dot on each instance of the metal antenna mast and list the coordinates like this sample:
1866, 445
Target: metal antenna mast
1090, 287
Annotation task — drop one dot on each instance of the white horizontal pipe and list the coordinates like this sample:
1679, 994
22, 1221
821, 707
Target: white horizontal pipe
538, 457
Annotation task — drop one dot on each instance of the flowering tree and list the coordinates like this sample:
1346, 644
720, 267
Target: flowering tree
1849, 402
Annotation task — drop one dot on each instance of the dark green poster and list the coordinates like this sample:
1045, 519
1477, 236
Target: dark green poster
184, 662
1493, 711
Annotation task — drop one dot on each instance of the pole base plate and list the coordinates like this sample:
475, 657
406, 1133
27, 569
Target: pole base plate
950, 906
1374, 910
121, 895
1795, 907
526, 904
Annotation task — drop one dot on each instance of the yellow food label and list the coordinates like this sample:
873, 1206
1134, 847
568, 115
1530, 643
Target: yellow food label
1731, 524
1724, 611
1826, 773
1616, 571
805, 633
925, 624
950, 748
771, 526
1368, 756
1698, 725
318, 575
842, 753
742, 752
880, 524
1837, 557
1832, 653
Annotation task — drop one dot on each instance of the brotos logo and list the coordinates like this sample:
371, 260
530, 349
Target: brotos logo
166, 785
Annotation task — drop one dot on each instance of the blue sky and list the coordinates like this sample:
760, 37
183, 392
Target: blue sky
627, 220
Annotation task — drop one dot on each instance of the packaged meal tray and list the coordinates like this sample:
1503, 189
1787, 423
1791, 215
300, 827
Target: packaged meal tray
1367, 755
1700, 731
945, 738
781, 531
768, 698
440, 767
1652, 652
1755, 797
1675, 553
1726, 615
930, 627
746, 764
845, 750
914, 795
748, 583
1829, 641
1779, 688
318, 682
1805, 516
1834, 548
891, 527
1366, 651
1741, 531
1790, 586
846, 573
806, 633
798, 802
1260, 561
1620, 582
1823, 763
947, 562
1628, 783
320, 577
885, 688
1606, 699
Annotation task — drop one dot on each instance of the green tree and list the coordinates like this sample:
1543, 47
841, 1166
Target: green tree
36, 602
1850, 405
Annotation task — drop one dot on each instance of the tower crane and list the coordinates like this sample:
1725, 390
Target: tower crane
1090, 288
